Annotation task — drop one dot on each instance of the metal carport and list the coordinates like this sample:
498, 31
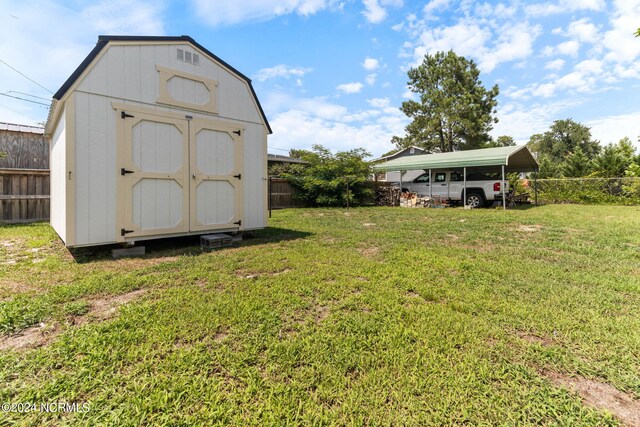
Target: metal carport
504, 159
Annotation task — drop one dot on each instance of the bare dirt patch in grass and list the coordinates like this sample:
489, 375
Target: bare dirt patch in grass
105, 308
220, 336
535, 339
256, 274
33, 337
529, 228
600, 395
369, 251
368, 224
321, 312
133, 263
38, 336
11, 288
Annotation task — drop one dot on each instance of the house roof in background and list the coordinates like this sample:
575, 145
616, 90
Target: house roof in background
391, 156
14, 127
284, 159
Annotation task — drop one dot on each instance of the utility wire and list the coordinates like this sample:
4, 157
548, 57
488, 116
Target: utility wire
9, 108
28, 94
24, 99
26, 77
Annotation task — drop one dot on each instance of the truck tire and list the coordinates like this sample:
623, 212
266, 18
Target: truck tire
475, 200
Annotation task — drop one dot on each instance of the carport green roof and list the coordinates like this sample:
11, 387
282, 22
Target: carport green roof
515, 159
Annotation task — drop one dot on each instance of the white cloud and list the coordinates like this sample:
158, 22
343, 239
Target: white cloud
613, 128
141, 18
370, 79
229, 12
374, 10
564, 6
280, 70
619, 41
434, 5
370, 64
350, 87
465, 38
469, 38
303, 122
408, 94
522, 122
556, 64
583, 31
514, 42
379, 102
568, 48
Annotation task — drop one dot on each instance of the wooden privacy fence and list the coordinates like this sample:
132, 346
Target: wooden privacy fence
281, 194
24, 195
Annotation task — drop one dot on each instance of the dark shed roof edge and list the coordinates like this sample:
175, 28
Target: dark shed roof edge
103, 40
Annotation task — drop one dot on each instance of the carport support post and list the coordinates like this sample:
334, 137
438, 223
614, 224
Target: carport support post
400, 172
430, 188
504, 188
535, 185
464, 188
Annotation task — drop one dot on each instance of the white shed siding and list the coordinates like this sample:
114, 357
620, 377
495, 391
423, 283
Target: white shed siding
95, 149
138, 79
255, 171
58, 167
126, 74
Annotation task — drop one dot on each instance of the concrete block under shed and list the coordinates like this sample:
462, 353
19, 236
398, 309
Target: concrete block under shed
215, 241
127, 252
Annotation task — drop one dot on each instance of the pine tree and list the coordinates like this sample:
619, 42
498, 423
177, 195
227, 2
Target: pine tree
455, 111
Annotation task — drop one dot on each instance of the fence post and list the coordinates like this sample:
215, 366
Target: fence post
535, 185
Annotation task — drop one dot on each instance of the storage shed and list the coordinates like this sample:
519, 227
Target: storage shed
155, 137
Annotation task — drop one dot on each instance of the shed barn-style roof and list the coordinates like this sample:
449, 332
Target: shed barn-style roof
104, 40
515, 159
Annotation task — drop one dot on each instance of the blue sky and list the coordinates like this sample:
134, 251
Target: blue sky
333, 72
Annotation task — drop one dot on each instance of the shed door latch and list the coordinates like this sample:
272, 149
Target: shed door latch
239, 176
124, 232
124, 171
125, 115
238, 222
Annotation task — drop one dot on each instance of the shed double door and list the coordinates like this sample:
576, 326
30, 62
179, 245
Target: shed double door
177, 175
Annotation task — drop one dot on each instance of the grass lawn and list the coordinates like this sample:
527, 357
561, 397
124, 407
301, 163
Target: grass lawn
373, 316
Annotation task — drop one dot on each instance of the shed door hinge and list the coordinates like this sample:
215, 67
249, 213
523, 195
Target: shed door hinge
239, 176
238, 222
125, 115
124, 232
237, 132
124, 171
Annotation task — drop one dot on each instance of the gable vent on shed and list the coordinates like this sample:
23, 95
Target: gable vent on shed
186, 56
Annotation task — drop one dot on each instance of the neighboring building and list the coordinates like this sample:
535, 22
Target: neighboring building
276, 159
24, 146
155, 137
406, 175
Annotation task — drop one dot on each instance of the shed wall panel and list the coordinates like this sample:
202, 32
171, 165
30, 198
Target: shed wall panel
138, 79
95, 147
58, 168
254, 177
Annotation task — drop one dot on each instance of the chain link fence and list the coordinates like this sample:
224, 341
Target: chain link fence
619, 191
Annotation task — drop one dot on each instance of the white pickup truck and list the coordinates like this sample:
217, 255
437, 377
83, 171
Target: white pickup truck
482, 188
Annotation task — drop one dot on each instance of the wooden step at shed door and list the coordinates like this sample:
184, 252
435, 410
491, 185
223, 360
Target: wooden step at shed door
216, 175
152, 174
